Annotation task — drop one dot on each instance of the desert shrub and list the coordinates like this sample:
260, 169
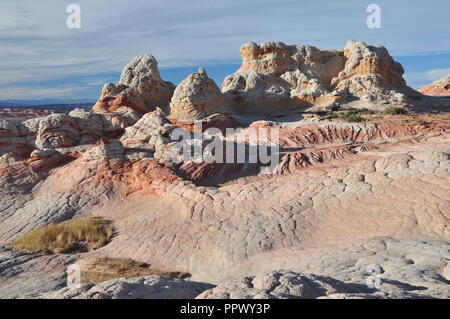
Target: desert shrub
99, 269
365, 111
72, 236
333, 108
391, 110
351, 116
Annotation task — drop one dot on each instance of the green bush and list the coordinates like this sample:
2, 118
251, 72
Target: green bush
351, 117
391, 110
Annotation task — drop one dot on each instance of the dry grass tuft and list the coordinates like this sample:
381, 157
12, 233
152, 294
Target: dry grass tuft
72, 236
99, 269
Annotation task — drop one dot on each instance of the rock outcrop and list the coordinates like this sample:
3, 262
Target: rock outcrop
140, 88
48, 141
196, 98
343, 195
439, 88
29, 276
56, 131
371, 75
13, 138
275, 77
150, 287
150, 136
277, 285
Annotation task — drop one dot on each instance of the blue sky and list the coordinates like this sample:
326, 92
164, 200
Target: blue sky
41, 58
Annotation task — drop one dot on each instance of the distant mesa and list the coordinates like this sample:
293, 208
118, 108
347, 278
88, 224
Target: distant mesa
439, 88
25, 111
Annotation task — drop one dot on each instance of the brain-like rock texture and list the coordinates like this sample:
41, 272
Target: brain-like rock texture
196, 98
57, 130
150, 287
46, 142
13, 138
277, 285
140, 88
151, 135
275, 77
371, 74
439, 88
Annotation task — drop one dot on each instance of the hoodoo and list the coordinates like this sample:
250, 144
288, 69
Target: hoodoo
197, 97
140, 88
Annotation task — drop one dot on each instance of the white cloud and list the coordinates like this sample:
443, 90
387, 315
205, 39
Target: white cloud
420, 79
437, 74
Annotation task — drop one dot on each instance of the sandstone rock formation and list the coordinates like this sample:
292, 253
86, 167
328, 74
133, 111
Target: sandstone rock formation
140, 88
94, 125
57, 131
439, 88
29, 276
197, 97
371, 75
163, 219
275, 77
13, 138
66, 133
151, 287
150, 136
343, 197
277, 285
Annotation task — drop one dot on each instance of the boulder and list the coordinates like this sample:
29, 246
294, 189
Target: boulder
105, 150
151, 136
140, 88
46, 158
196, 98
151, 131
